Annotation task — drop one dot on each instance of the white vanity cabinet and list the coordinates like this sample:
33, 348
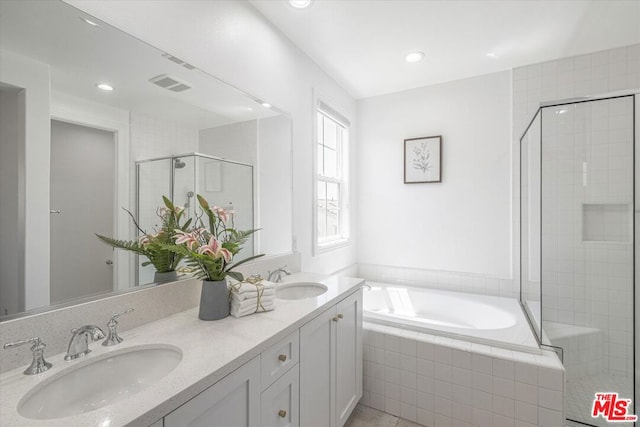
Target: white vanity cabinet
232, 401
331, 364
280, 402
312, 377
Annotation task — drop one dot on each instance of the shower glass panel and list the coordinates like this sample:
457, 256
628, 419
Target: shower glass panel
577, 198
530, 293
224, 183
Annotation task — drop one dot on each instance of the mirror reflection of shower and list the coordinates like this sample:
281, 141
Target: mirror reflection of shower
224, 183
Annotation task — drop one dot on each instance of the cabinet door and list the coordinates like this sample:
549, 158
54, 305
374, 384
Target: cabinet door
317, 371
232, 401
348, 356
280, 402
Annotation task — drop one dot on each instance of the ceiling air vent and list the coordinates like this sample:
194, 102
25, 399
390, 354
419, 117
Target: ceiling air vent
171, 83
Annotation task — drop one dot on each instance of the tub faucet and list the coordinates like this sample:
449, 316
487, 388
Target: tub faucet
276, 275
79, 342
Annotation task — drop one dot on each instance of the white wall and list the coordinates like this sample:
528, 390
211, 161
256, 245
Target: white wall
234, 42
33, 76
462, 224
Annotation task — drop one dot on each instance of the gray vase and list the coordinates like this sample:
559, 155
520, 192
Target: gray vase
167, 276
214, 300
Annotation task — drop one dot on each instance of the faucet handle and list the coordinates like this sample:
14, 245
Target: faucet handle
38, 364
116, 316
112, 324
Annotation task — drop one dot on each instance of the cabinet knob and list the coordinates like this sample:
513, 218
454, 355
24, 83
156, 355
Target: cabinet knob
282, 413
340, 316
335, 319
282, 357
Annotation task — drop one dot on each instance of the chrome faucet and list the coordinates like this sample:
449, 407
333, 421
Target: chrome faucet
276, 275
113, 337
38, 364
79, 342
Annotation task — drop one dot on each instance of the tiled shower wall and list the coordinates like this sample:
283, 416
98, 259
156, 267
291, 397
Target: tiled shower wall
587, 276
153, 137
587, 202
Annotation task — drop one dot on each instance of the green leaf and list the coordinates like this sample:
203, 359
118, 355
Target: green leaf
203, 202
168, 203
236, 275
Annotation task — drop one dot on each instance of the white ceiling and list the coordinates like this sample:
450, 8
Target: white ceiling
80, 56
362, 43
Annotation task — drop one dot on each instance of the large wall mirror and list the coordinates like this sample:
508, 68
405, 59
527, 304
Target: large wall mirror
74, 154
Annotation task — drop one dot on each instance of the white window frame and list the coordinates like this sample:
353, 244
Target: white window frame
322, 245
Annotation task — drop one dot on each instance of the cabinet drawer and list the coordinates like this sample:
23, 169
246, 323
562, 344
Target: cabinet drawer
281, 401
279, 358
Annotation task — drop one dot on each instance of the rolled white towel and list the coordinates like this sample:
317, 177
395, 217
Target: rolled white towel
244, 287
245, 311
252, 302
254, 294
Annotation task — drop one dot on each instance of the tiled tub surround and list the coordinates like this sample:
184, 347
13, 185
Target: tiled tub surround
439, 279
439, 381
211, 350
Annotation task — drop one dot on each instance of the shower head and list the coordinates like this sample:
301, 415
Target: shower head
179, 164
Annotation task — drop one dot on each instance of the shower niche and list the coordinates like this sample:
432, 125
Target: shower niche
577, 244
224, 183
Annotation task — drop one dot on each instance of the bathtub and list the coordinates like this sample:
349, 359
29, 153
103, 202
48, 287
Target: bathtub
490, 320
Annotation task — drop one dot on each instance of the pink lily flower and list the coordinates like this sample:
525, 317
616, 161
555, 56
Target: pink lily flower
226, 254
186, 238
212, 248
144, 240
221, 213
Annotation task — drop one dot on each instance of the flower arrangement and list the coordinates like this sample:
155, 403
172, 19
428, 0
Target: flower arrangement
153, 245
209, 250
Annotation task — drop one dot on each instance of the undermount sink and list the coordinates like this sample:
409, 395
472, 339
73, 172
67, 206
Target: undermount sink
95, 383
300, 290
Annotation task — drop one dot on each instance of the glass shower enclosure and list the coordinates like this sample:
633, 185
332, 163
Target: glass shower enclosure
577, 204
224, 183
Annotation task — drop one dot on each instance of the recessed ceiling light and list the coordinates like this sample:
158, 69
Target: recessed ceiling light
89, 22
300, 4
564, 110
104, 86
414, 56
492, 55
266, 105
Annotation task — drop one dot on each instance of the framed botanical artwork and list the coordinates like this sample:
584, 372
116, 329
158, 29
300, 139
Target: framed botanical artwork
423, 159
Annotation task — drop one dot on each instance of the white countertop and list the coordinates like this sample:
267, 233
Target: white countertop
211, 350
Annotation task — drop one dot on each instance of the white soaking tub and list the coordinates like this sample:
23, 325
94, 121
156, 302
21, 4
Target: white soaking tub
490, 320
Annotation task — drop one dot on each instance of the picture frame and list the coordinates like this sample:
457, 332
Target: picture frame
423, 160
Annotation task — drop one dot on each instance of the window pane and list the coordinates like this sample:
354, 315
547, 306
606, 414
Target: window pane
330, 163
333, 223
320, 159
322, 223
330, 133
322, 194
333, 195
